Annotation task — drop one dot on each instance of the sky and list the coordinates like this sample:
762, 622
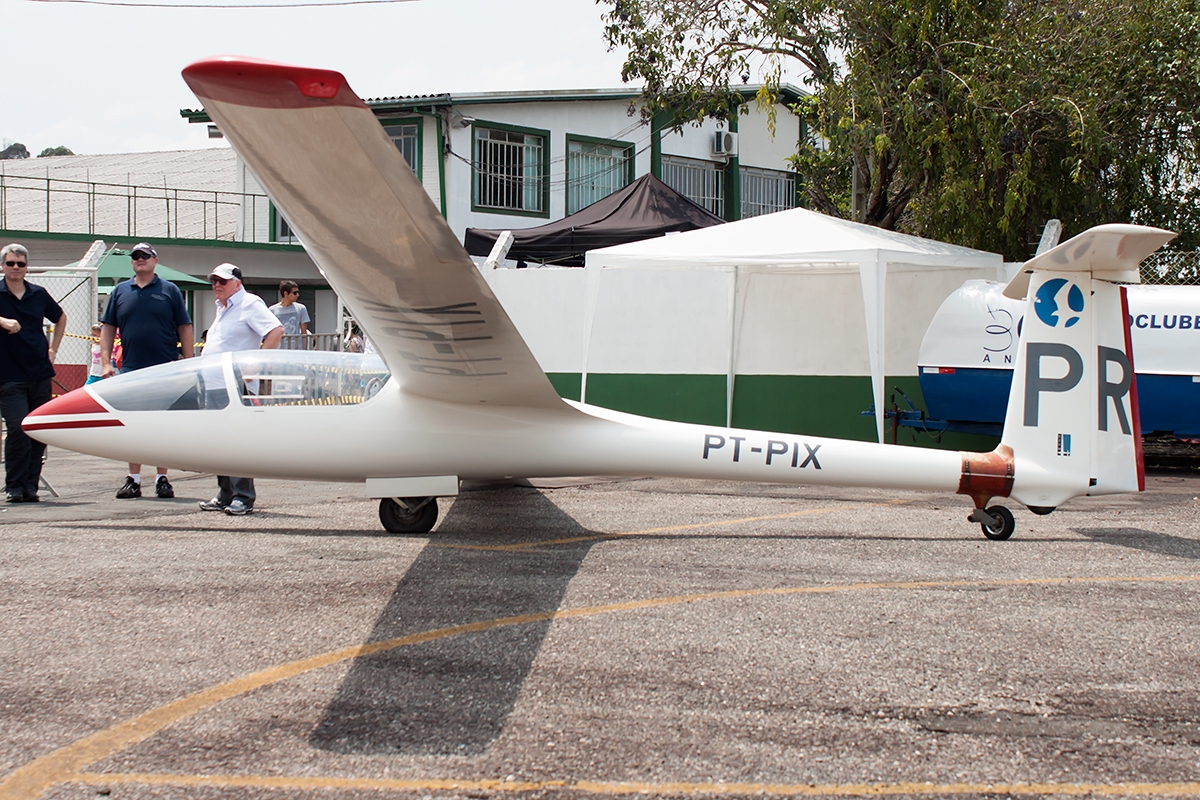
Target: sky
106, 79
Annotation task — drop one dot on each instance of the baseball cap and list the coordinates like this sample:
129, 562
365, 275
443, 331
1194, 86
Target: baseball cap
143, 247
226, 271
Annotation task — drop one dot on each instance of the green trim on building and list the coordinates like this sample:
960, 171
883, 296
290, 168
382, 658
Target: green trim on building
567, 384
441, 137
733, 178
630, 156
832, 406
659, 121
420, 123
816, 405
545, 177
681, 398
157, 240
392, 105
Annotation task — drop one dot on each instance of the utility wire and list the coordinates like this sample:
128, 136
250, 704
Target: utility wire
317, 4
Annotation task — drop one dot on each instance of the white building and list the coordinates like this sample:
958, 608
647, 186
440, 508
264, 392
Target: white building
491, 160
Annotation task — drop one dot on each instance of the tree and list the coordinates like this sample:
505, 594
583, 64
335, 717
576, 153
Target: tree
55, 151
14, 150
967, 122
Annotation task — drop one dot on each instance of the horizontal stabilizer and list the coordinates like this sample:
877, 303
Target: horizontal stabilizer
1108, 252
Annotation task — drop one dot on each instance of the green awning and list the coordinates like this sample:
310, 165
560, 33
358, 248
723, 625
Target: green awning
116, 267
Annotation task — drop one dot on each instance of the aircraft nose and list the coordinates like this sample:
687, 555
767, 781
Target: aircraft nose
75, 409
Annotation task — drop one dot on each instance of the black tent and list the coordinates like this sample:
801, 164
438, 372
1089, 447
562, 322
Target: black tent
642, 210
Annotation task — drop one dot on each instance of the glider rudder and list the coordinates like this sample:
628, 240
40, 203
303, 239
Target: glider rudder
1072, 425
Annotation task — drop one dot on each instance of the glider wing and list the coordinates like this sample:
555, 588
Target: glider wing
365, 220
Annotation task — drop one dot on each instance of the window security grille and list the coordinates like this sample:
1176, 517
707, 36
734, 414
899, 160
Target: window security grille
508, 170
594, 172
765, 191
702, 182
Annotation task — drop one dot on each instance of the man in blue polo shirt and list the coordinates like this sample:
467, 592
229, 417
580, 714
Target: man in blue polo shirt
26, 369
155, 328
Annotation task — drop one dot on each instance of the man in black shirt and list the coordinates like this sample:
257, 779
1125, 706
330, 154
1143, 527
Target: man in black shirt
26, 368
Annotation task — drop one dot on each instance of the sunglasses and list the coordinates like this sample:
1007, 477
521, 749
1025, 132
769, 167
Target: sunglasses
297, 291
15, 264
218, 281
140, 256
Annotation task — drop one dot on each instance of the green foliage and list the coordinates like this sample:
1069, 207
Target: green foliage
55, 151
967, 122
14, 150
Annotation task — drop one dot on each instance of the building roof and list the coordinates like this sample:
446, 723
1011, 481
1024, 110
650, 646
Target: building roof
210, 170
404, 103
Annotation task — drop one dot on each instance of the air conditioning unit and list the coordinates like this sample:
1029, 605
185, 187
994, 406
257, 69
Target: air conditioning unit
725, 144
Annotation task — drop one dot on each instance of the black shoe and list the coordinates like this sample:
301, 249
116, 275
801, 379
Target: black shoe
32, 498
15, 497
163, 488
131, 489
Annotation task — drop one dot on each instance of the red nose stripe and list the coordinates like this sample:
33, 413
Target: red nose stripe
73, 423
79, 401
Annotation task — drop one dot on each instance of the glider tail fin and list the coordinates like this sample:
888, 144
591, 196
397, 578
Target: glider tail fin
1072, 423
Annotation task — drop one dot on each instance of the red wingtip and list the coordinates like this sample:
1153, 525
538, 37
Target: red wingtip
267, 84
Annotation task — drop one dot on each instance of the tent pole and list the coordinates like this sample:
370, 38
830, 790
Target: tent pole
731, 365
874, 277
591, 293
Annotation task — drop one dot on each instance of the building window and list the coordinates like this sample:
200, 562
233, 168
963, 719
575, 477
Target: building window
595, 169
702, 182
511, 165
765, 191
406, 135
280, 230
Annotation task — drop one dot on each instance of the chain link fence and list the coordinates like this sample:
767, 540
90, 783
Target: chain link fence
1172, 269
76, 292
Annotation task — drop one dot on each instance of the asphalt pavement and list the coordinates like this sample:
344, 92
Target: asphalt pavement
595, 637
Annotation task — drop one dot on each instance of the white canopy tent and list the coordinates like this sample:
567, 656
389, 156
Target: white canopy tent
794, 241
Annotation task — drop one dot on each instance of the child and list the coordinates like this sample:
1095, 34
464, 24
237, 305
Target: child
97, 364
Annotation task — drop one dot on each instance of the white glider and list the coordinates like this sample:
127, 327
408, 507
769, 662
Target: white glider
456, 393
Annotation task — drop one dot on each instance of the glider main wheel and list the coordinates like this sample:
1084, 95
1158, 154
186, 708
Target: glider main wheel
409, 515
1005, 527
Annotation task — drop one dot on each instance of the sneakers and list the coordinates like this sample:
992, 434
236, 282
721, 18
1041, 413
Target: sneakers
163, 488
131, 489
237, 508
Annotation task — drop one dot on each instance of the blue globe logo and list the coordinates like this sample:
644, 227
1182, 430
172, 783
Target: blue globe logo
1045, 303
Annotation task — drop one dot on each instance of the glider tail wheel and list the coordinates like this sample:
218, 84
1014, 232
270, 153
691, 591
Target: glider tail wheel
408, 514
1001, 527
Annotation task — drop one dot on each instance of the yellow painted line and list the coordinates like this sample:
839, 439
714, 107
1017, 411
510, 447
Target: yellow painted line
523, 546
65, 764
628, 787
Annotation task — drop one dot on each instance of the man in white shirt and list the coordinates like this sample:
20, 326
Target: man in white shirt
243, 323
